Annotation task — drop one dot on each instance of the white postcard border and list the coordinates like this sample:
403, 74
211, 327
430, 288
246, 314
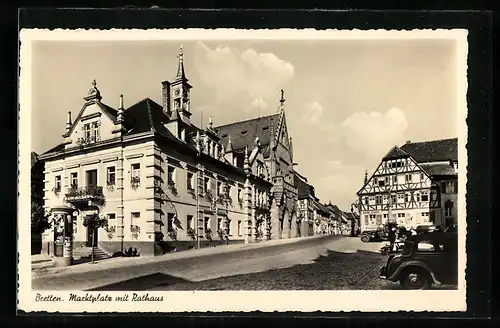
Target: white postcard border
222, 301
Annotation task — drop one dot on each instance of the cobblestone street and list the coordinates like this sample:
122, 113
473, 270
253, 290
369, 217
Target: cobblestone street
335, 271
339, 263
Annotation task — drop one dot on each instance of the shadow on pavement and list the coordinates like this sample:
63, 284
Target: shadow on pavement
143, 283
332, 271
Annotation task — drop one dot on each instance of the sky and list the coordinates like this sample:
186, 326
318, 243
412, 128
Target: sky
348, 102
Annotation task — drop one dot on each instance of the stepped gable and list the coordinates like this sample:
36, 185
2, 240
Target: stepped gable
243, 133
433, 151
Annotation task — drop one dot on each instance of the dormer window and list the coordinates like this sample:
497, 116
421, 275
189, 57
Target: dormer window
91, 132
88, 134
95, 132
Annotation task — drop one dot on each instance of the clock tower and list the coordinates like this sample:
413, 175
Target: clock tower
176, 94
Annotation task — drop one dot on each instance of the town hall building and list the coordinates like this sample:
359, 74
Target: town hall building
161, 180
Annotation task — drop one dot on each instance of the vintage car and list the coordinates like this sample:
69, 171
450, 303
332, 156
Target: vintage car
369, 235
426, 259
425, 229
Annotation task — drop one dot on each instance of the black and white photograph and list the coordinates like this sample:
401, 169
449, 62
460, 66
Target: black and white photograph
234, 170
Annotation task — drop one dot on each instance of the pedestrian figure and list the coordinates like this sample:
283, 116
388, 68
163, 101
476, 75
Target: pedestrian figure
392, 239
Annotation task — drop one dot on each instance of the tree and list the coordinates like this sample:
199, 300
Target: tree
94, 222
39, 221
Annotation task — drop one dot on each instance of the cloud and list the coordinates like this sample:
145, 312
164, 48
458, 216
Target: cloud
340, 185
233, 73
373, 133
257, 105
313, 112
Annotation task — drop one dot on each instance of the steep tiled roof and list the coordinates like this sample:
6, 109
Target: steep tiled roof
322, 208
433, 151
438, 169
146, 115
55, 149
243, 133
304, 189
395, 153
111, 112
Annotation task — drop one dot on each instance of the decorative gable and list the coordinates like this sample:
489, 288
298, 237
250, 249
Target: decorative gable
95, 121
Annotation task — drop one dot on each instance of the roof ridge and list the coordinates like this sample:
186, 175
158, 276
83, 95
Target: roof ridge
137, 103
150, 115
247, 120
429, 141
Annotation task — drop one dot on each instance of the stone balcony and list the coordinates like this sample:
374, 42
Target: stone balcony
85, 196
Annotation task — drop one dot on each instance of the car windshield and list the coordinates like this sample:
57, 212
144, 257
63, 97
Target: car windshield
428, 246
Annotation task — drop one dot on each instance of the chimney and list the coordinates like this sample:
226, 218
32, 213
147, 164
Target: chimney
68, 123
408, 141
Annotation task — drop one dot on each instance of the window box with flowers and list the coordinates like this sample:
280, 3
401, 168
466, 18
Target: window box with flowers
191, 233
135, 231
135, 182
192, 192
56, 190
172, 234
172, 188
110, 186
208, 234
110, 230
208, 196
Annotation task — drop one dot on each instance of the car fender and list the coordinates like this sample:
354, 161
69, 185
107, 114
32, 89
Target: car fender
395, 275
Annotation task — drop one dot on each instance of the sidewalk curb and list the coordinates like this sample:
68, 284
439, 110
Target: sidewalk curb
201, 253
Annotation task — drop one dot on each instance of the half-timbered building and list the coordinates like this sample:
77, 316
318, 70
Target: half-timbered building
415, 184
305, 204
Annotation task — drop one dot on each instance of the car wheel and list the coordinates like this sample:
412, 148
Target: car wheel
415, 278
365, 238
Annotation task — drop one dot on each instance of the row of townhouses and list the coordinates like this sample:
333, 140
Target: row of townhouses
321, 218
160, 179
415, 184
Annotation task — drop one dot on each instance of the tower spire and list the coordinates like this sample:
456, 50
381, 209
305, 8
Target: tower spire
282, 101
180, 66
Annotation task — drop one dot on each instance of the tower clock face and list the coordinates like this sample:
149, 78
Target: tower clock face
177, 92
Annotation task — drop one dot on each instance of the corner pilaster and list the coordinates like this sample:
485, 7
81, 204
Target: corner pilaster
247, 204
120, 216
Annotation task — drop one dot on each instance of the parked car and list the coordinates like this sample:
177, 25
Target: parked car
426, 259
425, 229
369, 235
380, 234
